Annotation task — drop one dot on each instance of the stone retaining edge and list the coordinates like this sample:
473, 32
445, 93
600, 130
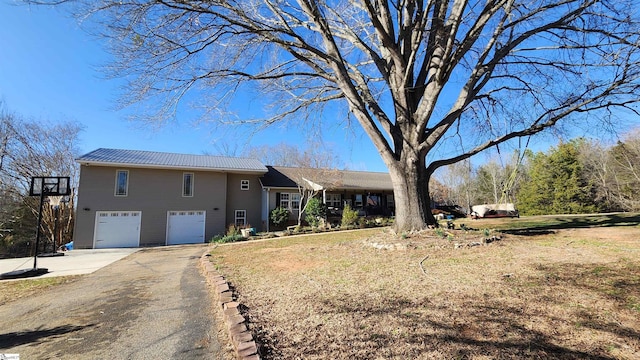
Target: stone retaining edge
236, 324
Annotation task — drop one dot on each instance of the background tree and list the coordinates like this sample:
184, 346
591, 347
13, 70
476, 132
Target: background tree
458, 179
557, 183
314, 155
313, 169
490, 178
34, 148
431, 82
498, 180
624, 158
599, 169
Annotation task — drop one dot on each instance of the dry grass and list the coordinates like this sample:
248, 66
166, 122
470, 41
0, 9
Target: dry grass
565, 294
11, 290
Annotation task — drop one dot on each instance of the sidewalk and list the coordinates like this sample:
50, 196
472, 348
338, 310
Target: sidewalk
74, 262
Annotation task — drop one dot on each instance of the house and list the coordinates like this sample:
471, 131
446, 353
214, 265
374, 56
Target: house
131, 198
369, 192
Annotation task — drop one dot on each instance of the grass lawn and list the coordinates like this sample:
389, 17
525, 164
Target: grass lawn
564, 287
11, 290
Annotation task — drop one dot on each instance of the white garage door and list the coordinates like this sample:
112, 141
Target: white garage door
185, 227
116, 229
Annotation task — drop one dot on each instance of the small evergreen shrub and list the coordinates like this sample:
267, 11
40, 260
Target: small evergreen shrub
279, 216
315, 211
349, 216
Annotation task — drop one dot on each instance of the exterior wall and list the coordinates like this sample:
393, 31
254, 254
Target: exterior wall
152, 191
274, 200
249, 200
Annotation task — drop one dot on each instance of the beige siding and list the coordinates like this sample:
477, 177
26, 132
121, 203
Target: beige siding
249, 200
273, 203
152, 191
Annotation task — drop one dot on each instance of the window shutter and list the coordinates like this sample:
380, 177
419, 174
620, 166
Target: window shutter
277, 200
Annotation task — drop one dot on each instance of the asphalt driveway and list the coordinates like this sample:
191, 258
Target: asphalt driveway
152, 304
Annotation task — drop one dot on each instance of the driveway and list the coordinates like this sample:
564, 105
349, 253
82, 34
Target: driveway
152, 304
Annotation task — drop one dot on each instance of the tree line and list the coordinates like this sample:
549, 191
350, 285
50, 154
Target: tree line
34, 148
578, 176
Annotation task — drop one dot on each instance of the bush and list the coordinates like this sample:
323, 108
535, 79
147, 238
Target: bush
349, 216
233, 230
220, 239
233, 234
279, 216
314, 211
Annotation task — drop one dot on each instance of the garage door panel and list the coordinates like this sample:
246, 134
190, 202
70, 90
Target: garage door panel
185, 227
117, 229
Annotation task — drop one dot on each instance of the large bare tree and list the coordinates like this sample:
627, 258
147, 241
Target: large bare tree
431, 82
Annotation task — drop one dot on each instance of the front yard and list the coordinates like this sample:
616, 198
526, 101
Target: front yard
546, 289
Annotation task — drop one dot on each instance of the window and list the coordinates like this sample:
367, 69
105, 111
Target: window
358, 202
241, 217
390, 203
122, 182
295, 201
187, 184
244, 184
284, 200
373, 200
333, 200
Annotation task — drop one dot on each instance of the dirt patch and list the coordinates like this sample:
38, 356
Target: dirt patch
567, 294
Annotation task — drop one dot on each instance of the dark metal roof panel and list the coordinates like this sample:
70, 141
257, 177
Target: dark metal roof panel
285, 177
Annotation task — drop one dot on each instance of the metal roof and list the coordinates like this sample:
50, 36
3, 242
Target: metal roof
152, 159
287, 177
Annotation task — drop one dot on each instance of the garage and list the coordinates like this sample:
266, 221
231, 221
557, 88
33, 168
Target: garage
185, 227
117, 229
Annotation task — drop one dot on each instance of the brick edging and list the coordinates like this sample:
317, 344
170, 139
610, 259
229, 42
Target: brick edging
236, 324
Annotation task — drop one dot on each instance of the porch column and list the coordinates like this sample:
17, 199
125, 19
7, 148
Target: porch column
265, 208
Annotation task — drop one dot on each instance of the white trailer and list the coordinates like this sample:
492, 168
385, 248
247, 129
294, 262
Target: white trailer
494, 211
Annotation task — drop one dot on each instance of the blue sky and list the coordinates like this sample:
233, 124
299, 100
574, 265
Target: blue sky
49, 71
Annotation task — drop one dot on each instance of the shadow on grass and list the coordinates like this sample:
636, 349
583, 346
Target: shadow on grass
13, 339
572, 222
489, 323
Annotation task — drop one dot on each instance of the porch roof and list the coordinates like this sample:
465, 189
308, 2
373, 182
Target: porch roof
285, 177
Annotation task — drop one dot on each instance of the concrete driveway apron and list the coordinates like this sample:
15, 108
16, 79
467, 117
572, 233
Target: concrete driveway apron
153, 304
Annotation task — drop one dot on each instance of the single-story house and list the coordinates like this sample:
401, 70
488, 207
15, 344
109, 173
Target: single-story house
131, 198
369, 192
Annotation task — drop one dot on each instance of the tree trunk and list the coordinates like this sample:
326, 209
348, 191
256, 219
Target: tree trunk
411, 195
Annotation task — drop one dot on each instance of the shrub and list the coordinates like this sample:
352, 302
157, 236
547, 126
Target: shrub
279, 216
233, 230
314, 211
349, 216
223, 239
